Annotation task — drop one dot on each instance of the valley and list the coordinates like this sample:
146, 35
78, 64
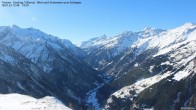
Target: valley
152, 69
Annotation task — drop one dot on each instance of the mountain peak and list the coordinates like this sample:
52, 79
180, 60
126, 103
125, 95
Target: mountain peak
148, 28
149, 31
104, 36
184, 27
188, 25
126, 33
99, 38
15, 27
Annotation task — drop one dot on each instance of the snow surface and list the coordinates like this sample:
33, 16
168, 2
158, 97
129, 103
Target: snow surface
140, 85
35, 40
23, 102
174, 38
185, 72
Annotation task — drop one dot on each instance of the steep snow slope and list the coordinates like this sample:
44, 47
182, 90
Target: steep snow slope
23, 102
173, 38
121, 41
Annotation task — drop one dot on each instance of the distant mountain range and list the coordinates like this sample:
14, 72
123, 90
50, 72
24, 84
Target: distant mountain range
149, 69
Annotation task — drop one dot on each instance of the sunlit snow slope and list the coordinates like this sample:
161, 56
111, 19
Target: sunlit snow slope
23, 102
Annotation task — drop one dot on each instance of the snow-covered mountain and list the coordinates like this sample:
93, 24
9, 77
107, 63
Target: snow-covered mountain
177, 73
38, 64
102, 49
23, 102
149, 69
144, 63
35, 40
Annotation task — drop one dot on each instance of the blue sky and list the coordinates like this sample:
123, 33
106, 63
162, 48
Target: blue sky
94, 18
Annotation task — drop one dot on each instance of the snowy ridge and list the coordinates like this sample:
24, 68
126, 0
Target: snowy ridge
104, 49
33, 44
146, 39
173, 38
186, 72
23, 102
120, 42
167, 40
35, 40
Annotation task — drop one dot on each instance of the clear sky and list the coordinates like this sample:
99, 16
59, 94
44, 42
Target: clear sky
94, 18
